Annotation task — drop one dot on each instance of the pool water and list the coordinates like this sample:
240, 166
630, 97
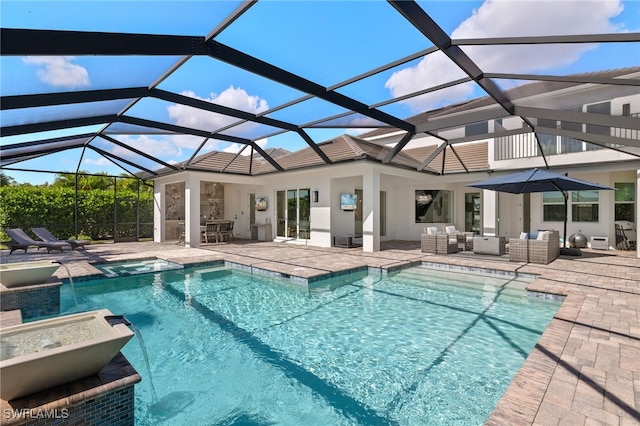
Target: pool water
419, 347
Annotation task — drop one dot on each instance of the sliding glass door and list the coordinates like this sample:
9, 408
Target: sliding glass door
293, 210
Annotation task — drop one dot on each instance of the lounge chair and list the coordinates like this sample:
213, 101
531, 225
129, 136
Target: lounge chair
21, 241
46, 236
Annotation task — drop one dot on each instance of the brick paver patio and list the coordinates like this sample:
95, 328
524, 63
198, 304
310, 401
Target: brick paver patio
585, 369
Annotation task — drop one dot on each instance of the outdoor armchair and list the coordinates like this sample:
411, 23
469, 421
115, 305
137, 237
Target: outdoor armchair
434, 241
21, 241
45, 235
543, 249
464, 239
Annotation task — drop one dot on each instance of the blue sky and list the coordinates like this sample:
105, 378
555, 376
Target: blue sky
326, 42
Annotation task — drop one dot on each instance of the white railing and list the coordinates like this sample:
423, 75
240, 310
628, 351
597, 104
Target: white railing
526, 146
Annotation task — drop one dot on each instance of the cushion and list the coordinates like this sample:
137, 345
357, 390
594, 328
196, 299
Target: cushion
533, 235
450, 230
432, 230
542, 235
523, 235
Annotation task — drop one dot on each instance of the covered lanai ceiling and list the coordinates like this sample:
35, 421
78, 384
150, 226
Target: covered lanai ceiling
159, 87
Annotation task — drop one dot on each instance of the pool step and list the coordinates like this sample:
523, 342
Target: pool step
467, 283
215, 272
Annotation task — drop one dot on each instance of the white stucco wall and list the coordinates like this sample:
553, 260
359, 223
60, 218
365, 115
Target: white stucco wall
502, 213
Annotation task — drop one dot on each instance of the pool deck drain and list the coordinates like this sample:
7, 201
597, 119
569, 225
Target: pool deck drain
585, 368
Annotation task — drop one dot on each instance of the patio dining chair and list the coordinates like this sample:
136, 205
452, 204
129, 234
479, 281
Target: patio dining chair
226, 230
181, 231
212, 232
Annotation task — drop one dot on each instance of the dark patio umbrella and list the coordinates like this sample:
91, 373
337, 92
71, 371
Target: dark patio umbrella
537, 180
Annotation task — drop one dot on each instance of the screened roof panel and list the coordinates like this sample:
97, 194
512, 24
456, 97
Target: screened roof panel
129, 147
196, 17
58, 161
307, 111
128, 129
227, 85
24, 116
50, 74
125, 167
434, 100
167, 148
262, 70
351, 121
555, 59
374, 88
150, 109
477, 19
250, 130
302, 35
180, 115
72, 133
532, 93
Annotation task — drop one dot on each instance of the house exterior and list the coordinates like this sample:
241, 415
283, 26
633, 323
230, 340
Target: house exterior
398, 193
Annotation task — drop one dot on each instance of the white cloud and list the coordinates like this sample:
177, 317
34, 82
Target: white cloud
187, 141
160, 148
236, 147
59, 71
102, 161
431, 71
232, 97
498, 18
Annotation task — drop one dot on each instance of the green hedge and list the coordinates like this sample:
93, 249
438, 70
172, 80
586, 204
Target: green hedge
53, 207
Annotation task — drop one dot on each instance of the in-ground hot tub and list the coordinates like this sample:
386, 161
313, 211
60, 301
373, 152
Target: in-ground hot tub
27, 273
43, 354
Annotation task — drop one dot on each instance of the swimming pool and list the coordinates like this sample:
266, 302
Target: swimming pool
418, 347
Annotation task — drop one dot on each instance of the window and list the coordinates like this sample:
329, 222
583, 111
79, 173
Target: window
548, 143
552, 207
433, 206
584, 206
625, 207
601, 108
476, 129
568, 144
